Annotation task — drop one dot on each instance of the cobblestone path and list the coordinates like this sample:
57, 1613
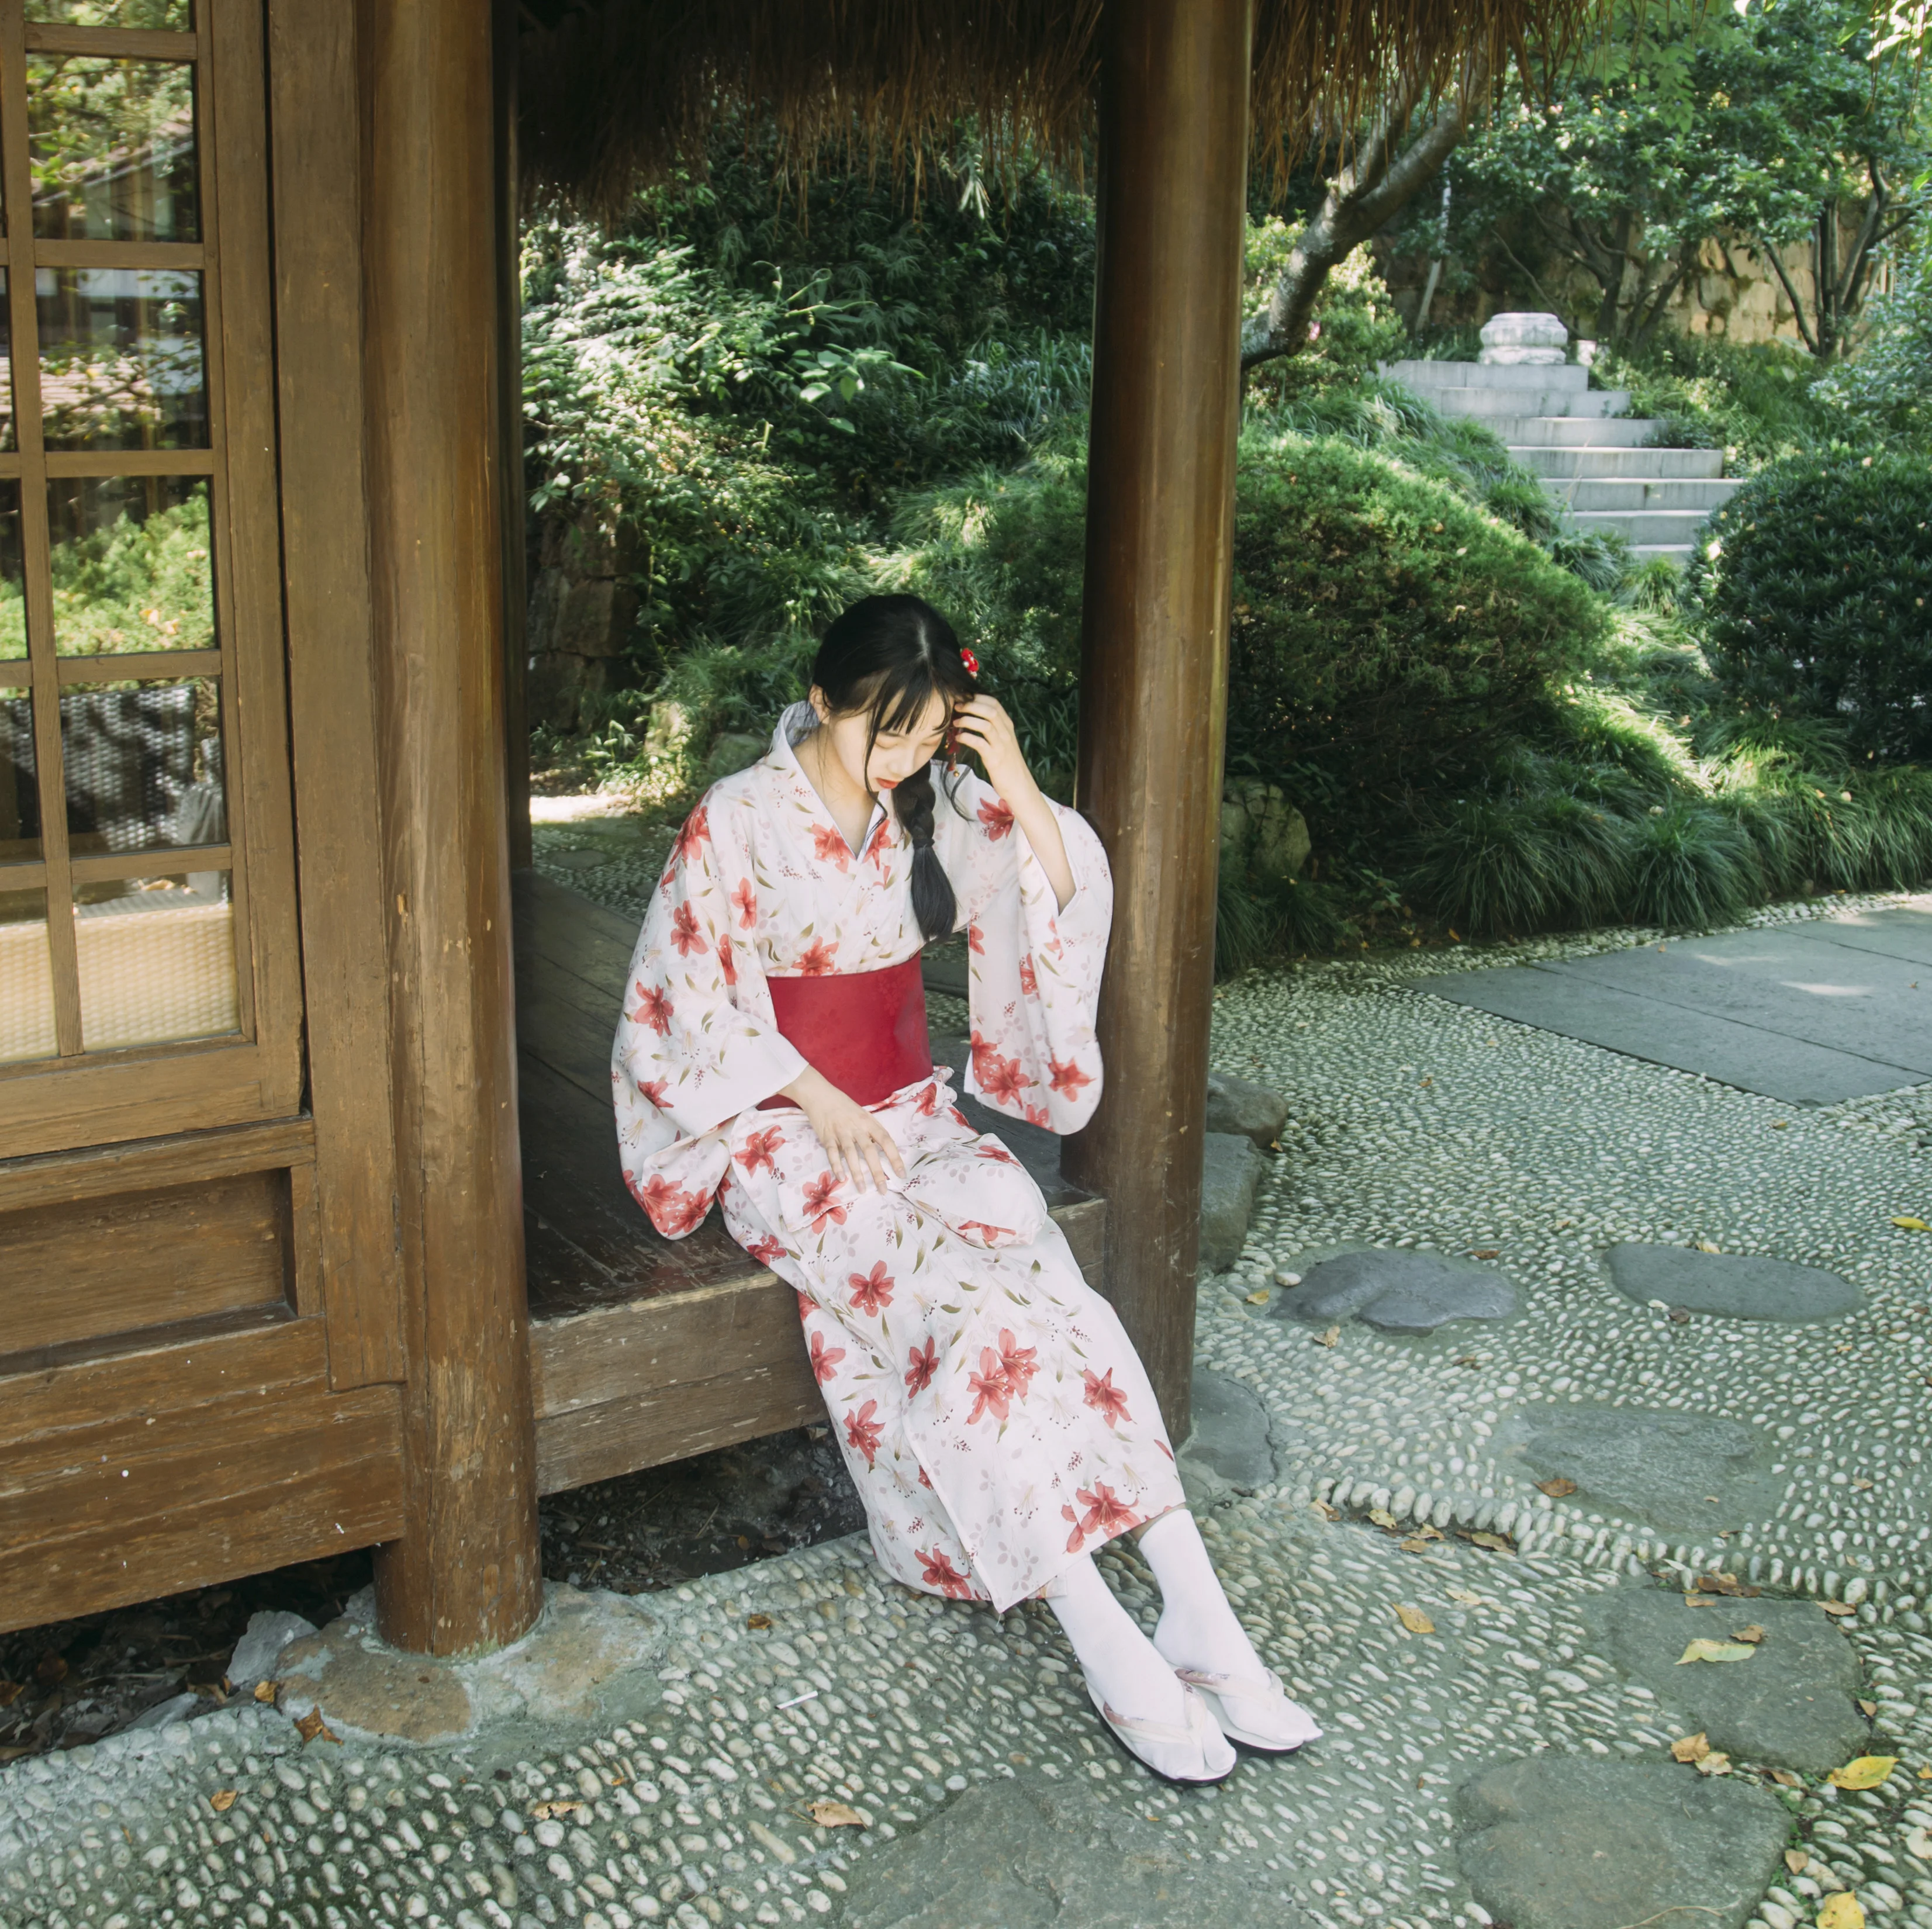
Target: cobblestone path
1469, 1550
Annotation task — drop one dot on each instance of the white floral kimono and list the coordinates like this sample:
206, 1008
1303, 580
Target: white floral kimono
992, 1410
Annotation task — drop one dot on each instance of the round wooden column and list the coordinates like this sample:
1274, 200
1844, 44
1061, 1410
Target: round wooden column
1173, 183
466, 1574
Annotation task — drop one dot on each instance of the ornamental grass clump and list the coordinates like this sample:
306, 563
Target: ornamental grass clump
1814, 591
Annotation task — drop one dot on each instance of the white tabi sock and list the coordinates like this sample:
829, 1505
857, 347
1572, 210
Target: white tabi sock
1123, 1663
1197, 1627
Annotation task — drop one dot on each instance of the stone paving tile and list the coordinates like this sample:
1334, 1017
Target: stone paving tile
964, 1742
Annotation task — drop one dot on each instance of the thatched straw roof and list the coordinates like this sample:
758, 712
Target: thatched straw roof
615, 92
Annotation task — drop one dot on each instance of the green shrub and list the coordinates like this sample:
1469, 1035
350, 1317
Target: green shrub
1257, 920
1814, 598
1384, 628
1690, 865
1759, 404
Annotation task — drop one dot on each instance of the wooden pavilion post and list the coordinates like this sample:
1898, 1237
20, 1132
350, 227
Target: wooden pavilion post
465, 1573
1173, 181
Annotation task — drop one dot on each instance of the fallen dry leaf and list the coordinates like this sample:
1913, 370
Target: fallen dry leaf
1862, 1487
222, 1801
1840, 1608
1382, 1518
1918, 1845
1414, 1620
1726, 1584
1416, 1543
1329, 1338
757, 1620
1690, 1747
1780, 1124
311, 1726
1797, 1861
1867, 1772
1716, 1651
11, 1692
1867, 1708
1753, 1634
1327, 1512
265, 1690
1462, 1597
1487, 1253
1842, 1911
1706, 1245
1785, 1778
1714, 1764
1257, 1299
1924, 1774
1497, 1544
1906, 1222
1556, 1487
52, 1668
548, 1811
830, 1814
1701, 1600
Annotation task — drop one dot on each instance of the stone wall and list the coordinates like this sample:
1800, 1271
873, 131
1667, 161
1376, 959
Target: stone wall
583, 613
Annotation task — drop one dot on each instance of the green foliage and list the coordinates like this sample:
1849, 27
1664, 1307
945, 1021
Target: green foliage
737, 387
1354, 324
1759, 404
1814, 598
1889, 381
1257, 920
1385, 629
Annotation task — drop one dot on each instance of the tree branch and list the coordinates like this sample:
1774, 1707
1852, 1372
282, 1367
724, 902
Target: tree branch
1368, 190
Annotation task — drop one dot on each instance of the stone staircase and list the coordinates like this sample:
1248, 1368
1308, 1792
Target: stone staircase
1592, 457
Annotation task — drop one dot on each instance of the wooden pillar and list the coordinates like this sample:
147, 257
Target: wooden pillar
510, 433
465, 1575
1173, 178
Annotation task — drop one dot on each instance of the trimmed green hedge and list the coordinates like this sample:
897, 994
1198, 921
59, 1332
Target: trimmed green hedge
1815, 598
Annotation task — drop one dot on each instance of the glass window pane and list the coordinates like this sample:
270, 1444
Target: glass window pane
13, 597
121, 364
26, 978
19, 794
131, 564
111, 148
156, 960
176, 16
143, 765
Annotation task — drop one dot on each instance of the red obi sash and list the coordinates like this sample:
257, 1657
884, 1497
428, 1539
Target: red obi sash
865, 1030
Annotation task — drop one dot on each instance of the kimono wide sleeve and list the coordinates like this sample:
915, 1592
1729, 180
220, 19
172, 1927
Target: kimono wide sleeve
697, 1043
1033, 966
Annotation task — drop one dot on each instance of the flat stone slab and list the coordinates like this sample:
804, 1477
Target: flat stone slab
1028, 1854
1683, 1473
1228, 1445
1732, 1285
1398, 1291
1811, 1013
1231, 1169
1571, 1842
367, 1691
1793, 1705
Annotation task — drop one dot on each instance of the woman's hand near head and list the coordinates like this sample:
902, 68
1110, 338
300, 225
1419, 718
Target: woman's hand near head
857, 1146
984, 726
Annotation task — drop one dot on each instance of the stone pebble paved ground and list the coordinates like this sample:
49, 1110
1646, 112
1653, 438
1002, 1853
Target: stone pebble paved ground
1515, 1747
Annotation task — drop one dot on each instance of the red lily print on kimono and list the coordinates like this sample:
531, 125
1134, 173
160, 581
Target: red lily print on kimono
941, 1576
872, 1292
818, 1202
926, 1341
863, 1432
1107, 1515
921, 1368
824, 1359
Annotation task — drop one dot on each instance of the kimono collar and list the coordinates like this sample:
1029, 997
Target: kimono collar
797, 723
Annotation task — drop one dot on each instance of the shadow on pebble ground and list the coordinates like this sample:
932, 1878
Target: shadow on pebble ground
72, 1682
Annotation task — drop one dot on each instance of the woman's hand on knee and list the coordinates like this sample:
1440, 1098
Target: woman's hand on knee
857, 1146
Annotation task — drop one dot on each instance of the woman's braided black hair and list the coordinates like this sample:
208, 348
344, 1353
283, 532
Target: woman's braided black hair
891, 656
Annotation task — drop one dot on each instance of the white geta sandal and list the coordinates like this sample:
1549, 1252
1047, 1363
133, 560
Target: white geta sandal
1197, 1753
1273, 1723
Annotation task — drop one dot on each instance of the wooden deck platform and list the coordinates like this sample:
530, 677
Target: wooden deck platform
645, 1349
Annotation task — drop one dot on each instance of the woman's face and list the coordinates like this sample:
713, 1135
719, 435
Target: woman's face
896, 754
